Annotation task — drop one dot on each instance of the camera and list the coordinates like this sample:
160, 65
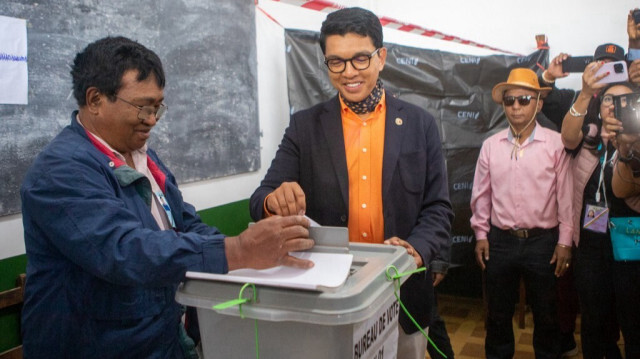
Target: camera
576, 63
618, 68
617, 72
627, 110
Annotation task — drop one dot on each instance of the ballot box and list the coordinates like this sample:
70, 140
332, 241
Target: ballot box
358, 319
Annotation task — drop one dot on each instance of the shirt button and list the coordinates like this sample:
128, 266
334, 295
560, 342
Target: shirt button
364, 205
364, 178
364, 124
343, 218
364, 234
364, 149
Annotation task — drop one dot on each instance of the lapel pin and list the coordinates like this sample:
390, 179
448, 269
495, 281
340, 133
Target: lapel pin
398, 121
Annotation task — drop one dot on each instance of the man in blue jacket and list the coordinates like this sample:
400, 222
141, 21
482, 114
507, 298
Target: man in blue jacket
367, 161
107, 234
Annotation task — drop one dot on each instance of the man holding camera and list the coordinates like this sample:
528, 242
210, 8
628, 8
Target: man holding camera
522, 217
558, 101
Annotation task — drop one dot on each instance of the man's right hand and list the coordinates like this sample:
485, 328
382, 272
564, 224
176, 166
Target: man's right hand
267, 244
482, 252
287, 200
554, 71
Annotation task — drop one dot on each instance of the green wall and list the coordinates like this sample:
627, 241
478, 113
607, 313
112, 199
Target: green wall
10, 268
230, 218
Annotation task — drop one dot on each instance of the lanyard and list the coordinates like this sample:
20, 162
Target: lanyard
603, 163
167, 209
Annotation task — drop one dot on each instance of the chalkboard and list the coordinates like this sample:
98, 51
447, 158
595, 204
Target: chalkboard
209, 55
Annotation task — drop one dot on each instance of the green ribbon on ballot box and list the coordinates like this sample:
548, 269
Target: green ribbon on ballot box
396, 288
391, 274
239, 302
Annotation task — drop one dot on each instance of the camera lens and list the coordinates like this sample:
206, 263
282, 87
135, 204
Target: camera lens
617, 68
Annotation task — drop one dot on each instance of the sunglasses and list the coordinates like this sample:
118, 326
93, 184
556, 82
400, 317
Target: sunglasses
522, 100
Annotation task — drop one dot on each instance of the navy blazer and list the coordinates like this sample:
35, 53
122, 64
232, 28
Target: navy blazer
414, 180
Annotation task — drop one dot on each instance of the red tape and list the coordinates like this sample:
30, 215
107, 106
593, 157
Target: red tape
327, 6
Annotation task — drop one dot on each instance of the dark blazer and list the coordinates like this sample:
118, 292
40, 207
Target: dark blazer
414, 180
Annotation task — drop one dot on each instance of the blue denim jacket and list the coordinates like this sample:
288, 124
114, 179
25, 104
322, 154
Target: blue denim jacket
101, 275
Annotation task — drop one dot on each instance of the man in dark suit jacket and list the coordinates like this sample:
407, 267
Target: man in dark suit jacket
366, 160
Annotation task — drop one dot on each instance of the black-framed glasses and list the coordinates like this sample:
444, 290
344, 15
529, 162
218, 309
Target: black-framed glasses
607, 99
359, 62
144, 112
523, 100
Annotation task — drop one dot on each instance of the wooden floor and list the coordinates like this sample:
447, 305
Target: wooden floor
464, 318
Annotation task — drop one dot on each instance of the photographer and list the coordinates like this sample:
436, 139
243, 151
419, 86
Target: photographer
624, 218
591, 152
558, 102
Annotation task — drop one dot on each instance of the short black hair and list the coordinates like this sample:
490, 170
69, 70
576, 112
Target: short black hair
351, 20
103, 63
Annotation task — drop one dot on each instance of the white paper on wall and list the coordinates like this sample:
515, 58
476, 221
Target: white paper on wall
13, 61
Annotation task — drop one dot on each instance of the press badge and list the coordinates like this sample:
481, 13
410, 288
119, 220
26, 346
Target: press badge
596, 218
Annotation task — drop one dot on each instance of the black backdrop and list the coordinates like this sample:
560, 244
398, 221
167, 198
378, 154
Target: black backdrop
209, 53
455, 88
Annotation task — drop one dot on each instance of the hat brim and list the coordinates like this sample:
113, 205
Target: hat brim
498, 90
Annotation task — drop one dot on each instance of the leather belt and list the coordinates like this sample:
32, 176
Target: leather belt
527, 232
532, 232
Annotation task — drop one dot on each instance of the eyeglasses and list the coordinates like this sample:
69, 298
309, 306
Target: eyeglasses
523, 100
359, 62
607, 100
146, 111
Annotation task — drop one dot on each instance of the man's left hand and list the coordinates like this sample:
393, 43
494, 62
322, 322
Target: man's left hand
395, 241
562, 259
437, 278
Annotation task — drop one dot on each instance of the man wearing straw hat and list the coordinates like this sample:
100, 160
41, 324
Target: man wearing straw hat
522, 217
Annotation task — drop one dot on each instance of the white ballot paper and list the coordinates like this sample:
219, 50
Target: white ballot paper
329, 273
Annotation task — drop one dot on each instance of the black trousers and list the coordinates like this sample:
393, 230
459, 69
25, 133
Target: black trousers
627, 288
593, 274
512, 258
439, 336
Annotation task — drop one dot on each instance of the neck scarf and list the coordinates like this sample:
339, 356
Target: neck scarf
368, 104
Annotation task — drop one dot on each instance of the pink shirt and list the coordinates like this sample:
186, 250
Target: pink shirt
528, 188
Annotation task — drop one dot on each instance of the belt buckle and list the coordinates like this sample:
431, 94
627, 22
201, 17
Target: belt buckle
521, 233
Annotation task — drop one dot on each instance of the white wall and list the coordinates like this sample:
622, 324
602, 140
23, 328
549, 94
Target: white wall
573, 26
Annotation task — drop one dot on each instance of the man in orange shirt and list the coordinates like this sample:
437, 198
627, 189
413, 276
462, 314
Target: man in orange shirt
368, 161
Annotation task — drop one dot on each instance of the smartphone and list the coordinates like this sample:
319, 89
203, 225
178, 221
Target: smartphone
626, 108
576, 63
617, 72
636, 16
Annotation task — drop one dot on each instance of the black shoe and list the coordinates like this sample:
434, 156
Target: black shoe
568, 345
